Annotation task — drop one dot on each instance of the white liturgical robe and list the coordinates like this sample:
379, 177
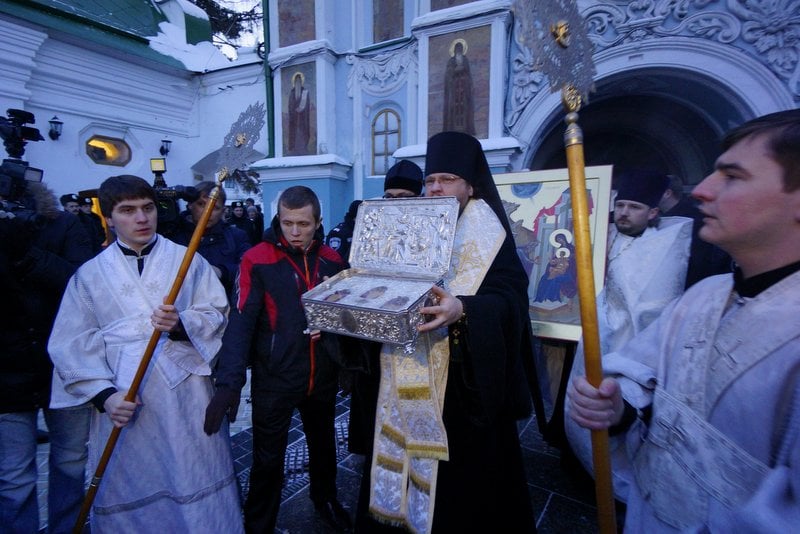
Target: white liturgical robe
165, 474
643, 275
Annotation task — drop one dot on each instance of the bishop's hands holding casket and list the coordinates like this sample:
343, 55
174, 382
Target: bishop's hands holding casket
446, 310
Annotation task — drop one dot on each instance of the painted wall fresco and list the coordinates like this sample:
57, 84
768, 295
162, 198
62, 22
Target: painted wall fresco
387, 20
296, 22
299, 111
458, 82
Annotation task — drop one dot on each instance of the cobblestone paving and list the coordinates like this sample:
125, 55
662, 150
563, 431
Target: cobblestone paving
563, 499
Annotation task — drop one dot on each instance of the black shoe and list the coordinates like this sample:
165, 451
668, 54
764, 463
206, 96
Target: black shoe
333, 513
42, 436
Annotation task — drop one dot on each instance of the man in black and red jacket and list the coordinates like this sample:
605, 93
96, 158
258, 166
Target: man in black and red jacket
292, 368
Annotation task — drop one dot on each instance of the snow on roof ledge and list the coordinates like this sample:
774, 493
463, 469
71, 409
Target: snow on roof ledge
202, 57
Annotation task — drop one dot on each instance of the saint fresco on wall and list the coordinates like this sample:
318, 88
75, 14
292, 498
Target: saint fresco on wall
458, 82
295, 22
387, 20
299, 112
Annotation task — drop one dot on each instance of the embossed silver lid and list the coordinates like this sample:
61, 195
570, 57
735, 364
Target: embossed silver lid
405, 237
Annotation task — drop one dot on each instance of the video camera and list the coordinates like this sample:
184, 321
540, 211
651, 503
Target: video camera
168, 211
15, 173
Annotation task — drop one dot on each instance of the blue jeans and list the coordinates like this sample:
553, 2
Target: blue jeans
69, 431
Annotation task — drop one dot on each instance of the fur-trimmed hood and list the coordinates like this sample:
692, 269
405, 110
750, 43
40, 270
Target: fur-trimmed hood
42, 200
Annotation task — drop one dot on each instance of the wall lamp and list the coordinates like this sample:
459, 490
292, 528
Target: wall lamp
55, 128
166, 144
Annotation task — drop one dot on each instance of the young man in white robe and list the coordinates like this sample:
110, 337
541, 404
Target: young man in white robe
646, 262
645, 270
165, 473
707, 399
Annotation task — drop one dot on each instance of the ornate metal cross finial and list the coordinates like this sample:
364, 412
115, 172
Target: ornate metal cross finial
237, 147
557, 37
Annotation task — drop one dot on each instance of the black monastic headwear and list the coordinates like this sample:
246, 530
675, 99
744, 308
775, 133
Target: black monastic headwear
644, 186
461, 154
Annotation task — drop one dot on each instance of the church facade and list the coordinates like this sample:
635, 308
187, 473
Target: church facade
350, 86
124, 78
380, 77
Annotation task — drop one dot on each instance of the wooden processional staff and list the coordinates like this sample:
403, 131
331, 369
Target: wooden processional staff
236, 148
556, 36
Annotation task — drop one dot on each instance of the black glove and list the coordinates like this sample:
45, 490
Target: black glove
224, 402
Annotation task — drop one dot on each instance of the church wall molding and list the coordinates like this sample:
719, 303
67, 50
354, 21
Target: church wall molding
744, 81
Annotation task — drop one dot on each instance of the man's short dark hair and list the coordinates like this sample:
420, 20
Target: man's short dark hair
300, 196
675, 185
124, 187
204, 190
782, 130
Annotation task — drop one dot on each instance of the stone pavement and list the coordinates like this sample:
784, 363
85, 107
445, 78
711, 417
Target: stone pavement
562, 500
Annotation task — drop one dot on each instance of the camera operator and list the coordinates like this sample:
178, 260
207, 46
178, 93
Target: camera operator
40, 248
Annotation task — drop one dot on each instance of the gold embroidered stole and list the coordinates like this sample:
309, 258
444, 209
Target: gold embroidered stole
410, 437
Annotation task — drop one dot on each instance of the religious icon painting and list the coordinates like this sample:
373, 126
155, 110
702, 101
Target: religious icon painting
539, 208
299, 110
296, 22
383, 11
459, 65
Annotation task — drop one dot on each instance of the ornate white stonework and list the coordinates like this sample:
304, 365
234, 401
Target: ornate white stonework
768, 31
382, 74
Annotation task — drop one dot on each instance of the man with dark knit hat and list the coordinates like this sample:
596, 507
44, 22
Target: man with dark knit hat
645, 270
463, 472
403, 180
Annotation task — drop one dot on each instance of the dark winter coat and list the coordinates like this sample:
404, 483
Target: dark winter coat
248, 227
272, 278
94, 227
37, 258
340, 238
222, 246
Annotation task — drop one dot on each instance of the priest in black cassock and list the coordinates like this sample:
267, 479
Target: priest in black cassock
448, 458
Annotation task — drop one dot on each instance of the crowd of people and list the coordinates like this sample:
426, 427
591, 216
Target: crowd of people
700, 347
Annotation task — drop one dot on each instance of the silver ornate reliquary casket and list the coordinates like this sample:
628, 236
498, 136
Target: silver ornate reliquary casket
400, 249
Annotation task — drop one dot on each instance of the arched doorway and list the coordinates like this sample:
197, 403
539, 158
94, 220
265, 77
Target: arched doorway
666, 110
647, 120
